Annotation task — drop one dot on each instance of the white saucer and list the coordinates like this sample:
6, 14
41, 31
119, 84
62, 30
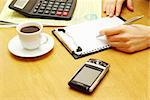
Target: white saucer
15, 47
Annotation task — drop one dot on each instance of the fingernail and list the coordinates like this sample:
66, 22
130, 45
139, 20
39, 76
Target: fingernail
102, 32
131, 8
110, 15
117, 14
107, 13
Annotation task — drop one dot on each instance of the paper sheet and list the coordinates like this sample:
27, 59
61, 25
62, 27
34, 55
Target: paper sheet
85, 34
86, 10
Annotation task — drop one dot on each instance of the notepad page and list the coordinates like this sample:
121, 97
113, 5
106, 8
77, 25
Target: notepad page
84, 34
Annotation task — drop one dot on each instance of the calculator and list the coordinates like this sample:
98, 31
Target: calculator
50, 9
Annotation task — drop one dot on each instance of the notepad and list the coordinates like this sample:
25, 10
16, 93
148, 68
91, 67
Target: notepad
81, 39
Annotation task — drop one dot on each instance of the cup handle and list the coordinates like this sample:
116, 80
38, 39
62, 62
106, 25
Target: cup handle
44, 39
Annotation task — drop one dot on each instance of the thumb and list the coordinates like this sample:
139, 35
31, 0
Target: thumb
130, 5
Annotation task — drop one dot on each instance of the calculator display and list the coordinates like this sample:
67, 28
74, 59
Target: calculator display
87, 75
21, 3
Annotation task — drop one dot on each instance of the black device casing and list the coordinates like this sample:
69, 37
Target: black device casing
27, 11
83, 87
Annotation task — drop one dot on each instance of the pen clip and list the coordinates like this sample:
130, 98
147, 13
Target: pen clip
78, 47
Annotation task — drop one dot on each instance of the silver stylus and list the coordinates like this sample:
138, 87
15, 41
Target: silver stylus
127, 22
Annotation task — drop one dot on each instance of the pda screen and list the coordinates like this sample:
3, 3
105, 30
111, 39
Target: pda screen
87, 75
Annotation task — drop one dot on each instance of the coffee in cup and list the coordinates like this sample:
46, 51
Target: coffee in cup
30, 29
30, 34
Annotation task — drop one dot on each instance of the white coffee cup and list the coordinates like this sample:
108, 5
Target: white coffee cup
33, 38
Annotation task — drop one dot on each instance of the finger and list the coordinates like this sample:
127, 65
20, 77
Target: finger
138, 43
104, 6
139, 36
131, 49
130, 5
117, 38
137, 25
119, 44
126, 50
112, 9
124, 37
107, 8
119, 7
140, 27
140, 46
113, 31
134, 46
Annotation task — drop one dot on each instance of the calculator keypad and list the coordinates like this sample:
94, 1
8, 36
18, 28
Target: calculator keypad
54, 8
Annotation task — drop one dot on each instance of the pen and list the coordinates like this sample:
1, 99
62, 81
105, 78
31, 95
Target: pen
133, 20
78, 49
127, 22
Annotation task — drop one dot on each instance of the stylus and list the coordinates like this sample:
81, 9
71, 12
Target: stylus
127, 22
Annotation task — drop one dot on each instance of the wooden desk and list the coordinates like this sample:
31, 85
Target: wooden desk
46, 77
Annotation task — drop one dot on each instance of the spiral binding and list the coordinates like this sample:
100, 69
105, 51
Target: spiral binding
94, 50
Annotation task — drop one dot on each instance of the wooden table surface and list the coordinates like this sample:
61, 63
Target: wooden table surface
46, 77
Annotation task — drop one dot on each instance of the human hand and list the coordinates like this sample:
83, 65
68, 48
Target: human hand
113, 7
128, 38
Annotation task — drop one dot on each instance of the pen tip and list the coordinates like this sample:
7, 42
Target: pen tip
141, 16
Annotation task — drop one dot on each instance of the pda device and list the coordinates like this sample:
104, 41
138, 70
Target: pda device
89, 75
50, 9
